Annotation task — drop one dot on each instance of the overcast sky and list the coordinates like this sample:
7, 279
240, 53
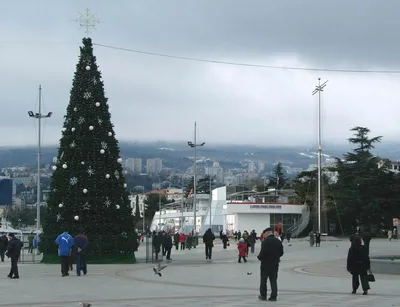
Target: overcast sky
156, 98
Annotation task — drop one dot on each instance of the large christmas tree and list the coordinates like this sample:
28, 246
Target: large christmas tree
88, 189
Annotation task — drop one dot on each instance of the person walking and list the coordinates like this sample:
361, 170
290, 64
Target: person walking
64, 242
269, 256
3, 245
242, 248
13, 252
31, 236
208, 239
167, 245
176, 240
80, 243
358, 264
317, 239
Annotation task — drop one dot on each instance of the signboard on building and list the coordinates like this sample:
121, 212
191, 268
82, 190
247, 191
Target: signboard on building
265, 206
395, 222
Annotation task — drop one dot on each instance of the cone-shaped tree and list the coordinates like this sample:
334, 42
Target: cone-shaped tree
88, 190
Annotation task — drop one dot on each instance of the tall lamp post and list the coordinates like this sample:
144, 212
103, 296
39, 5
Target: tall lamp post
194, 145
318, 89
39, 117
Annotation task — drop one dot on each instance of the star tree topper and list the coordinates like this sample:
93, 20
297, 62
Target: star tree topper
87, 21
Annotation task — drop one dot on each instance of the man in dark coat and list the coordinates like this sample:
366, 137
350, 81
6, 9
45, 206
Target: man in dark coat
167, 245
177, 237
3, 245
208, 239
13, 252
80, 243
157, 241
366, 237
270, 254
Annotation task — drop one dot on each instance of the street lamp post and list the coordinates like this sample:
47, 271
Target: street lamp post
194, 145
318, 89
39, 117
210, 199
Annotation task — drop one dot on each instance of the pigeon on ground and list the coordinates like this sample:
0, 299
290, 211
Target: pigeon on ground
249, 273
157, 269
84, 304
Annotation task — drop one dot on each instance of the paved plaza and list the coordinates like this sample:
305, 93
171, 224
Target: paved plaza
307, 277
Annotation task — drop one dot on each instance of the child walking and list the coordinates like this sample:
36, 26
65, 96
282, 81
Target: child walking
242, 248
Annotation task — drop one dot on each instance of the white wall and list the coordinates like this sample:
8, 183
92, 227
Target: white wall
246, 221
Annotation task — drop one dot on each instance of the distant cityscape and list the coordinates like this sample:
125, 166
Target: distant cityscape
18, 184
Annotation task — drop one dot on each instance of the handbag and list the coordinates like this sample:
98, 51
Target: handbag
370, 276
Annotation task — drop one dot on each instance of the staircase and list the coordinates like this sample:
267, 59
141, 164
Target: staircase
302, 223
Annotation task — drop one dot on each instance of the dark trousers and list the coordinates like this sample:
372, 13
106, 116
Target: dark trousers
2, 255
225, 244
208, 251
182, 245
164, 251
270, 273
64, 265
177, 245
14, 267
81, 264
168, 253
240, 259
30, 248
356, 281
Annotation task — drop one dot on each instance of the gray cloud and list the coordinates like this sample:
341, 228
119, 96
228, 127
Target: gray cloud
154, 98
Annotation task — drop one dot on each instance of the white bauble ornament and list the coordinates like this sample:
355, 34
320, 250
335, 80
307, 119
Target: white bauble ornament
76, 218
63, 129
125, 185
84, 191
119, 160
72, 129
75, 109
117, 206
107, 176
102, 151
110, 134
97, 104
91, 127
88, 67
64, 166
60, 205
83, 163
54, 167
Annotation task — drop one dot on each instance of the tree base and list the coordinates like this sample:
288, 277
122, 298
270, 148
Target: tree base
110, 259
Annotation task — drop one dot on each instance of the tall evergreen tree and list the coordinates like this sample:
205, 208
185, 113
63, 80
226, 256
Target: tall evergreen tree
365, 191
88, 189
278, 179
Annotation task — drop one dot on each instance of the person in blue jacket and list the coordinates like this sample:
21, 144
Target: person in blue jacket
64, 242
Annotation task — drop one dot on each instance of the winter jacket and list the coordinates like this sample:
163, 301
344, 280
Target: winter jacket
64, 242
182, 238
271, 252
14, 248
167, 241
3, 243
80, 243
176, 238
358, 261
208, 237
242, 248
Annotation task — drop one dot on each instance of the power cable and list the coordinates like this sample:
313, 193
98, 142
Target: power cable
247, 64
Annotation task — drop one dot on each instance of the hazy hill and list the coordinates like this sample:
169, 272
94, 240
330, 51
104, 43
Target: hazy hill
179, 155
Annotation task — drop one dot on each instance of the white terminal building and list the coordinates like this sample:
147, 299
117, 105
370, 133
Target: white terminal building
234, 208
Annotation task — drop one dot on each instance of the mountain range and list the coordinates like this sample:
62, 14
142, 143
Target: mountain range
180, 155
